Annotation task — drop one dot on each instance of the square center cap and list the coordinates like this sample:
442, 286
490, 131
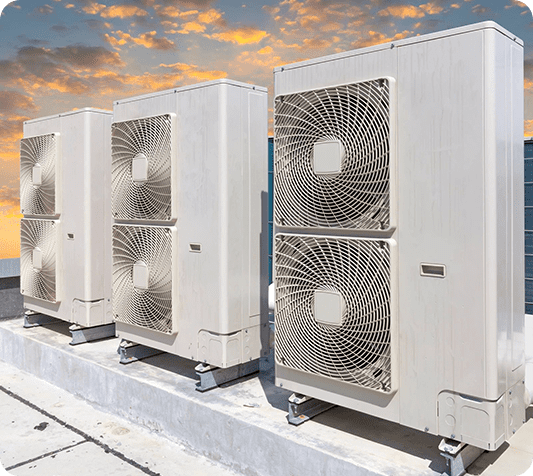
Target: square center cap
329, 307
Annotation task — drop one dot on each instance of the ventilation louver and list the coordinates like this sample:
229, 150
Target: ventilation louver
38, 159
142, 277
352, 278
38, 240
141, 168
332, 157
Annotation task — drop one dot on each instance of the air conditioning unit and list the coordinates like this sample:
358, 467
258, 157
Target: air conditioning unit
65, 233
399, 248
190, 235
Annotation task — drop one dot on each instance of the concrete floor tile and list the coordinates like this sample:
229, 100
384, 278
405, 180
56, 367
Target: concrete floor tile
512, 462
86, 459
20, 441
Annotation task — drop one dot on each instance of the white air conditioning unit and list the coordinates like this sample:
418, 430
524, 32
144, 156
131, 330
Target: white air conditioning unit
65, 232
399, 249
188, 198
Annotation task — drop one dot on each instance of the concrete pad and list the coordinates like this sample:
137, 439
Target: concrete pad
242, 426
86, 459
17, 430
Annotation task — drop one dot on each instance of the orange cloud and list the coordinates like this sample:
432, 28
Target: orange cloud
192, 71
516, 3
376, 38
114, 11
402, 11
9, 235
528, 128
173, 12
240, 36
148, 40
431, 8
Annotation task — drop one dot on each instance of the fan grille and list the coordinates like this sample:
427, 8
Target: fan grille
38, 282
149, 307
356, 116
357, 351
150, 138
40, 151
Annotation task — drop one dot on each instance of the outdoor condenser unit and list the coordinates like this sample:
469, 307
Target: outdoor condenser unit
65, 255
399, 249
190, 242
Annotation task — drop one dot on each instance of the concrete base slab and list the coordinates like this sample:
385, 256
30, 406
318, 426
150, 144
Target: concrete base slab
242, 425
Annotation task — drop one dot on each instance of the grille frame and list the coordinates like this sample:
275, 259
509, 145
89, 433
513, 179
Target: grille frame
291, 325
301, 190
43, 284
130, 305
43, 200
131, 202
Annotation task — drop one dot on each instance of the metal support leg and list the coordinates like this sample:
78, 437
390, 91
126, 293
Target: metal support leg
212, 377
80, 335
303, 408
459, 456
34, 319
130, 352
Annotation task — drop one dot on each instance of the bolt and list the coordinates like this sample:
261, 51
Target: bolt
510, 392
392, 45
281, 384
514, 431
426, 429
282, 69
452, 436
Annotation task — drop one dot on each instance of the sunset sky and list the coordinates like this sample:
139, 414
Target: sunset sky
58, 55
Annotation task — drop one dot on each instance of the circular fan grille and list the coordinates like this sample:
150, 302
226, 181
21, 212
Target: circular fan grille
150, 308
148, 199
38, 282
357, 116
40, 151
356, 351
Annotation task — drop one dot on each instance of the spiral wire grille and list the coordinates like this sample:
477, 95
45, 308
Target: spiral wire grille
148, 308
359, 350
38, 283
43, 151
357, 115
149, 200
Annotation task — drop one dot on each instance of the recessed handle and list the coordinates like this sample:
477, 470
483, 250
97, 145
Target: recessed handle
432, 270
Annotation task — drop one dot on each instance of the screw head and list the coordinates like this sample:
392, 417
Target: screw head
452, 436
281, 384
426, 429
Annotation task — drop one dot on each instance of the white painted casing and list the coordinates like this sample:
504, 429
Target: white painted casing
83, 254
456, 190
219, 212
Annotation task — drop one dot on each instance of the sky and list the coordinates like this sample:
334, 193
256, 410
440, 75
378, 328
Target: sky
59, 55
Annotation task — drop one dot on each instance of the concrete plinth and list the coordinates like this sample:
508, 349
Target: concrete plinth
242, 425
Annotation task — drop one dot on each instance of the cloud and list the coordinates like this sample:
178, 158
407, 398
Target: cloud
241, 36
431, 8
87, 57
528, 128
11, 101
9, 197
516, 3
376, 38
193, 71
114, 11
402, 11
44, 10
480, 10
148, 40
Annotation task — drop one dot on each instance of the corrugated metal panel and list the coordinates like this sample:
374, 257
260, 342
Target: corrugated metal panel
528, 202
270, 204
